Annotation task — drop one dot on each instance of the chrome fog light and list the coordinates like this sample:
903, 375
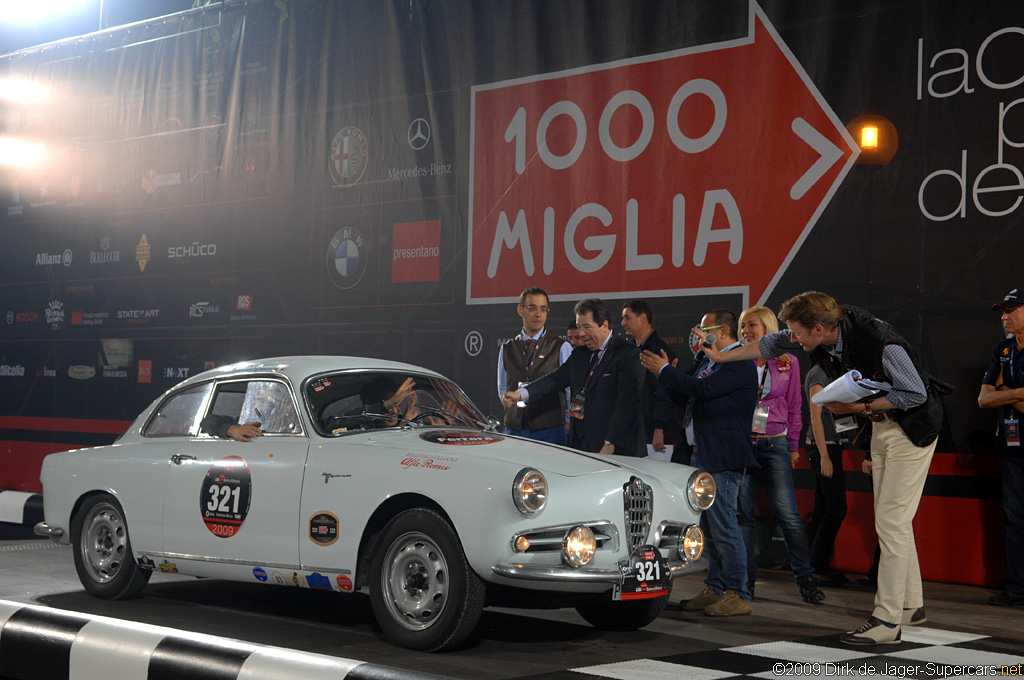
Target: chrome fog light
691, 544
530, 491
701, 490
579, 546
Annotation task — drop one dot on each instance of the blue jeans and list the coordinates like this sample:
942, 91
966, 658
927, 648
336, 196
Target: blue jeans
552, 435
777, 474
727, 561
1013, 503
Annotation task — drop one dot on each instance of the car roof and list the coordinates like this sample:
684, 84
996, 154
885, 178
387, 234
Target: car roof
298, 368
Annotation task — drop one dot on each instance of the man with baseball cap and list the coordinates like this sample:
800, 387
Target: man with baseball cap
1003, 388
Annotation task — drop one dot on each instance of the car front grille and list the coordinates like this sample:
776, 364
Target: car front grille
638, 503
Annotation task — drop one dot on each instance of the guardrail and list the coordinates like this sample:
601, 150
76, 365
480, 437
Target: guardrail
41, 643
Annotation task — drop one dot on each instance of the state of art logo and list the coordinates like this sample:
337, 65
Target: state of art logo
346, 257
349, 154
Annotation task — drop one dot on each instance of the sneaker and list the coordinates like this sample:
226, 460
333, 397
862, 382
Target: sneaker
705, 599
873, 632
1006, 600
731, 604
809, 589
913, 617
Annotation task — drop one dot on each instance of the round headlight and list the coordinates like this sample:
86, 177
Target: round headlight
701, 491
530, 491
579, 546
691, 544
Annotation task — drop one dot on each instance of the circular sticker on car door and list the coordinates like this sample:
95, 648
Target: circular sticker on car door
225, 496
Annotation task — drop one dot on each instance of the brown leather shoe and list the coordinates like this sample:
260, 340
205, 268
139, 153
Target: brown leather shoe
731, 604
699, 603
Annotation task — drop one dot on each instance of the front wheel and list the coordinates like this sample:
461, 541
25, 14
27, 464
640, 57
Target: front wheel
103, 551
425, 595
612, 615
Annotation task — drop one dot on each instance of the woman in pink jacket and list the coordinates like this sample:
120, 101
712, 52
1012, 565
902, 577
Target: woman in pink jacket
776, 436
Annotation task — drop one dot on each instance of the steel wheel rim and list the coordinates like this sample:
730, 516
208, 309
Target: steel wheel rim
104, 542
415, 581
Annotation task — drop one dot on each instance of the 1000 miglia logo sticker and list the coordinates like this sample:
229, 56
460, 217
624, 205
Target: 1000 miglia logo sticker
225, 496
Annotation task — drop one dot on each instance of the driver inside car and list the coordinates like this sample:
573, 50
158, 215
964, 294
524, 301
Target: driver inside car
380, 396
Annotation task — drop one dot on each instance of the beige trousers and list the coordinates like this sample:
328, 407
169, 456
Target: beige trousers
898, 472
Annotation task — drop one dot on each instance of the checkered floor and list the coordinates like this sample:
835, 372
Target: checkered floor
924, 653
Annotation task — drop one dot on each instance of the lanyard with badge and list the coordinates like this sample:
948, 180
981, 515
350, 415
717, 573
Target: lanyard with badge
1011, 423
530, 350
578, 399
760, 424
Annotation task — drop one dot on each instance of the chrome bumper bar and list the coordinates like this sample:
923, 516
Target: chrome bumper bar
563, 574
46, 531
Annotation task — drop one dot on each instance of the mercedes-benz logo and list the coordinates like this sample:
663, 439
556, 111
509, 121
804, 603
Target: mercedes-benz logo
419, 133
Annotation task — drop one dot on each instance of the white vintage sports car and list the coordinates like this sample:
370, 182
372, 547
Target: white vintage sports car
378, 477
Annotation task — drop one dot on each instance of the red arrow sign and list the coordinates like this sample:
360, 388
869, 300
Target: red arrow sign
697, 171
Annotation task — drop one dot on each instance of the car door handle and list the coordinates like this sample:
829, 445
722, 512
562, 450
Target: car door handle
177, 458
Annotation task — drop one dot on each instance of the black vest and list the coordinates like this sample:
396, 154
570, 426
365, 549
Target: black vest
864, 337
549, 411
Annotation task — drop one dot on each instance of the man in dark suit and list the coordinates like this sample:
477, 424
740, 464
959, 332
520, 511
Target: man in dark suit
661, 422
605, 378
719, 399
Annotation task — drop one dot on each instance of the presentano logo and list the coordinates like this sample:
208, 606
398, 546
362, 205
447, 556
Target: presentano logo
416, 248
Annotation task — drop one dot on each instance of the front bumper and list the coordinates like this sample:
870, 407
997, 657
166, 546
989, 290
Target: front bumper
46, 531
565, 574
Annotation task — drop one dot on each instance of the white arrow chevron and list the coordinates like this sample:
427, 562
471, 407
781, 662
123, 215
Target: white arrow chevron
828, 151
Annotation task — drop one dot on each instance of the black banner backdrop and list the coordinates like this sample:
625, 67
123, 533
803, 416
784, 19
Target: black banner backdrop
383, 178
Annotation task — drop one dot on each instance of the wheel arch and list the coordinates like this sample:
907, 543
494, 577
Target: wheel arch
384, 513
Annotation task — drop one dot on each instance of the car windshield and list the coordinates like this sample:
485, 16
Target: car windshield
352, 401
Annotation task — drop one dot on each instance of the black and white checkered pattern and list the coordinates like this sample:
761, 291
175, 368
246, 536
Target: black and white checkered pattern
40, 643
924, 653
21, 507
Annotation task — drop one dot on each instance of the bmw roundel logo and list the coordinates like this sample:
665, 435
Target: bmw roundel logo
347, 255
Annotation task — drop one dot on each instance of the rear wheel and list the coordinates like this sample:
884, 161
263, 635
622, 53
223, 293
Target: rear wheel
103, 551
612, 615
425, 595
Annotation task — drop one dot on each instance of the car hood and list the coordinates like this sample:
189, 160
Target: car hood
467, 443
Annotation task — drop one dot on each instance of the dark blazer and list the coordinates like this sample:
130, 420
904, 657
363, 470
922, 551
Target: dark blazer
723, 410
657, 406
611, 411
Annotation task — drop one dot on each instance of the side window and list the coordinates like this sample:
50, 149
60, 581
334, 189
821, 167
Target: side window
178, 416
269, 403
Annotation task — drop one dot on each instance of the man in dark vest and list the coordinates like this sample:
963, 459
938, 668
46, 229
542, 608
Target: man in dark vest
905, 426
530, 355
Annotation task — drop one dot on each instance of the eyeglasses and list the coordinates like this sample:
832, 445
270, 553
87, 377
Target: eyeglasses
710, 328
535, 308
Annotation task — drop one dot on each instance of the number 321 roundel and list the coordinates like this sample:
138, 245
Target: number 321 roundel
224, 498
